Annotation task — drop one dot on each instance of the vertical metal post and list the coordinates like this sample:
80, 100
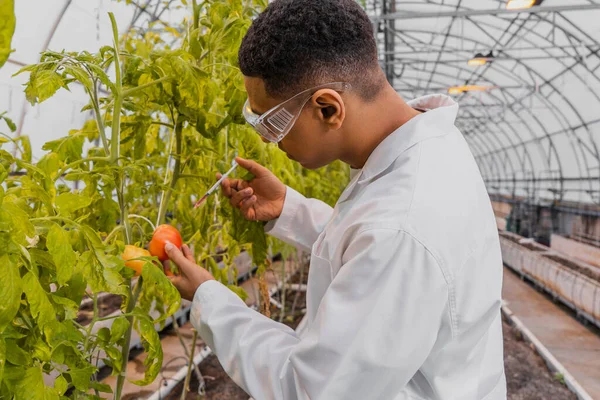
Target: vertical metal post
389, 6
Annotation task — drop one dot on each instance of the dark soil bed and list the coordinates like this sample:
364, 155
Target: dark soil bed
527, 376
587, 271
106, 306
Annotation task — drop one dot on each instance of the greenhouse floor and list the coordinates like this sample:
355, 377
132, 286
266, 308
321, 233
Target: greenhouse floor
575, 346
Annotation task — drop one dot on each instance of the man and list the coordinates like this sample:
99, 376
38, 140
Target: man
403, 296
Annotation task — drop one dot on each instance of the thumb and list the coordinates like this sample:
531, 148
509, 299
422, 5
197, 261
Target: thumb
177, 257
253, 167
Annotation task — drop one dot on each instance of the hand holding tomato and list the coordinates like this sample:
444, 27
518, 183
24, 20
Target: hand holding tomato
162, 235
191, 275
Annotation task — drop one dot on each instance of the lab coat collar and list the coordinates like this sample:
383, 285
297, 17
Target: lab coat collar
441, 113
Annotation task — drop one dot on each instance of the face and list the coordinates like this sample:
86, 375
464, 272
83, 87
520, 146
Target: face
314, 140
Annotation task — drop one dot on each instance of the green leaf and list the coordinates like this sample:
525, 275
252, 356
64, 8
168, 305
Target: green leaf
118, 329
3, 173
41, 308
61, 385
239, 291
151, 342
250, 232
21, 227
2, 357
70, 307
7, 28
81, 377
41, 351
42, 85
74, 289
69, 202
69, 148
50, 164
103, 334
102, 272
59, 246
158, 290
15, 355
9, 122
42, 258
31, 386
26, 145
101, 387
65, 333
12, 288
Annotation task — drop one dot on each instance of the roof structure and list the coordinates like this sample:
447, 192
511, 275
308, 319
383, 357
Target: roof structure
530, 110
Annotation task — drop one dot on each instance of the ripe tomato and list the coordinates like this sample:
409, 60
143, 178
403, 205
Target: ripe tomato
162, 235
134, 252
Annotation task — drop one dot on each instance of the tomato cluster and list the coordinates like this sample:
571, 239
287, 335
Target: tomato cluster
162, 235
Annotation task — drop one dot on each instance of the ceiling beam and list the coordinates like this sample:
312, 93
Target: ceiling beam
496, 11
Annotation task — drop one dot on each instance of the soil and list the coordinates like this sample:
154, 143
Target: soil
587, 271
590, 272
106, 306
534, 246
527, 376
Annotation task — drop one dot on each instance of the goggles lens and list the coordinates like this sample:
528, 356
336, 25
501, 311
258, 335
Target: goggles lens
276, 123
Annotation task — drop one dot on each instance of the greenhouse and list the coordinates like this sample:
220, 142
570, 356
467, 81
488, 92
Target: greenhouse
300, 199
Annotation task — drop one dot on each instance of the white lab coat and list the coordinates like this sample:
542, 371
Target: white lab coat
404, 286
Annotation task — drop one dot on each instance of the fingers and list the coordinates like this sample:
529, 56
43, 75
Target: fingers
178, 258
229, 186
248, 205
240, 196
188, 253
253, 167
166, 267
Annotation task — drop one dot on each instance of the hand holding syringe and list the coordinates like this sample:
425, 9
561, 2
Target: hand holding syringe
260, 198
216, 185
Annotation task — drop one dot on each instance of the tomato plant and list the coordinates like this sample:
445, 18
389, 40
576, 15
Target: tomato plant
170, 116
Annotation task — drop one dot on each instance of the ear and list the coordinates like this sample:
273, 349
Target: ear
330, 108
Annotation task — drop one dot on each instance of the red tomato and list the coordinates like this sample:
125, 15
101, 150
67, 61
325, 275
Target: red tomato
162, 235
134, 252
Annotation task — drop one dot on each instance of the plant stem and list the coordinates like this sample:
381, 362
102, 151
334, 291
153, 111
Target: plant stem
134, 90
75, 163
114, 231
185, 350
125, 350
99, 122
91, 325
166, 194
283, 292
143, 218
297, 294
186, 385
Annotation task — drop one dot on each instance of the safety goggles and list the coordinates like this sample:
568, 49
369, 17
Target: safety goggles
274, 124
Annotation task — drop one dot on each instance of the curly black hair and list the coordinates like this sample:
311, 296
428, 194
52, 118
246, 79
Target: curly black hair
297, 44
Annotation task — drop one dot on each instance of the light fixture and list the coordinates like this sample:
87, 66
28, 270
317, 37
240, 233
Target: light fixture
468, 88
480, 59
522, 4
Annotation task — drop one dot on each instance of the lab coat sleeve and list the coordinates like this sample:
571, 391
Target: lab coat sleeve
301, 221
374, 328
